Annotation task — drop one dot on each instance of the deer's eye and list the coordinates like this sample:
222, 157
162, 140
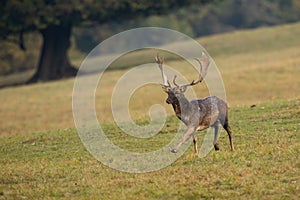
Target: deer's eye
166, 89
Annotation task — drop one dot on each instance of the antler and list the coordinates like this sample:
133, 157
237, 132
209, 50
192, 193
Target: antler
204, 63
174, 81
160, 62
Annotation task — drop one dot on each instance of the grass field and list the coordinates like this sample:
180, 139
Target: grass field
41, 155
265, 164
263, 67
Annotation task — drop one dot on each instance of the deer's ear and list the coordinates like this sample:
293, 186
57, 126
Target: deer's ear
182, 89
166, 88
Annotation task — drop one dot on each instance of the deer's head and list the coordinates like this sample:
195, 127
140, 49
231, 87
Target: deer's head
174, 93
177, 92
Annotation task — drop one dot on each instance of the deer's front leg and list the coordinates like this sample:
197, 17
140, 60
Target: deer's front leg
186, 136
195, 143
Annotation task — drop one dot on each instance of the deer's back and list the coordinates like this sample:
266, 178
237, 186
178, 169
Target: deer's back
211, 110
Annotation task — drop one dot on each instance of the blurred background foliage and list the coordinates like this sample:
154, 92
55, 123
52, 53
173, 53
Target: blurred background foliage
195, 21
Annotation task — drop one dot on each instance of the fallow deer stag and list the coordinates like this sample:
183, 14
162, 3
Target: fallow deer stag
197, 114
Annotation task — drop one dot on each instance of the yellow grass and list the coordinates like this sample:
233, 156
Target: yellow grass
254, 67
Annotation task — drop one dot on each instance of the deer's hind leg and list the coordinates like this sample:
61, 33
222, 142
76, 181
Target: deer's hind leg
228, 130
216, 145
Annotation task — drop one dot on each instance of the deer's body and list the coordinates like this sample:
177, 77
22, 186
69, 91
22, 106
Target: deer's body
197, 114
201, 112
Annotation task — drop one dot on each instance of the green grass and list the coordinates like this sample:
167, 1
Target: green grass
265, 164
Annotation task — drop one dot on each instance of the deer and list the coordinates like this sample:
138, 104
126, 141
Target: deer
198, 114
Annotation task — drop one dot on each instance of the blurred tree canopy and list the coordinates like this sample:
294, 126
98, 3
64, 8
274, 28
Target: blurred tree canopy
44, 27
54, 20
195, 21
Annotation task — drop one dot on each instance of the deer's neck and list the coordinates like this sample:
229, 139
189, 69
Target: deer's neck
181, 108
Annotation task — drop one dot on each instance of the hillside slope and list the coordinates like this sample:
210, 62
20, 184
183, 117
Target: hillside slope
256, 65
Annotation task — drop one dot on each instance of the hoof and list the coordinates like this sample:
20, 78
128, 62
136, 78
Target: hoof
216, 147
174, 151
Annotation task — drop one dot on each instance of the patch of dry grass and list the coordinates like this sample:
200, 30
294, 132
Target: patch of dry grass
256, 65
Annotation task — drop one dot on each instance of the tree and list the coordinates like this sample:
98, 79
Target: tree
54, 19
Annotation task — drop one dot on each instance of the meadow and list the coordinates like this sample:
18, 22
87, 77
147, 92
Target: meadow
41, 155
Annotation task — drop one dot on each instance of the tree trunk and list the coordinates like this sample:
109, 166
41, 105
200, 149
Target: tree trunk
54, 62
